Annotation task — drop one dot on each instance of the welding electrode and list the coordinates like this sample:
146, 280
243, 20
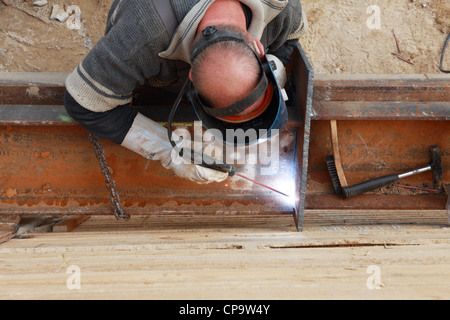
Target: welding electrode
208, 162
262, 185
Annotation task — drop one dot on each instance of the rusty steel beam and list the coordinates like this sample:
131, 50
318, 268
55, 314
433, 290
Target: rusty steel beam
386, 125
383, 87
344, 110
335, 97
373, 148
302, 80
381, 97
31, 88
53, 169
48, 164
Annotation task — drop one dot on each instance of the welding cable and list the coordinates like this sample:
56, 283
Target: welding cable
442, 55
172, 113
195, 157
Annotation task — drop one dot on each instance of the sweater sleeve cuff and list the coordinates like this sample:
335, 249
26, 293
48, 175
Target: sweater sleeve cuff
91, 94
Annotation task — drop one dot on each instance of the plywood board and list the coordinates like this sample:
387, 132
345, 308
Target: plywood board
205, 258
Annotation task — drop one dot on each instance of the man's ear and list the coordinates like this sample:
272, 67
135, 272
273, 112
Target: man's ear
190, 74
260, 48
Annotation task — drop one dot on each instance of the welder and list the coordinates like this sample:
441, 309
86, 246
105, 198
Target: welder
229, 54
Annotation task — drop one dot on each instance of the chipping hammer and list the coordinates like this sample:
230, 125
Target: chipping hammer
435, 166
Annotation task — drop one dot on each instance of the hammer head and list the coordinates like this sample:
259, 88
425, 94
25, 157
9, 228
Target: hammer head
436, 168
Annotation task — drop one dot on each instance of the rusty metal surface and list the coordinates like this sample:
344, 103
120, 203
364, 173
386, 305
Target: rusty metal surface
53, 170
393, 88
34, 99
343, 110
386, 125
302, 76
31, 88
34, 115
371, 149
369, 97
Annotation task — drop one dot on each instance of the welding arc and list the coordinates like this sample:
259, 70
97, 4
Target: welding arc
262, 185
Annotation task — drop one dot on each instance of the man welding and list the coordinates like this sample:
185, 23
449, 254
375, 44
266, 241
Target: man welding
235, 51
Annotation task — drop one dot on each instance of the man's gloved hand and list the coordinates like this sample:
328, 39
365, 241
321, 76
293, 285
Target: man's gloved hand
150, 140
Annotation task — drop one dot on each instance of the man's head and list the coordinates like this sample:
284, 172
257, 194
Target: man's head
227, 71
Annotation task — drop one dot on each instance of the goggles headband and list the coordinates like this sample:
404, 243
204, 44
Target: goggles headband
240, 105
211, 35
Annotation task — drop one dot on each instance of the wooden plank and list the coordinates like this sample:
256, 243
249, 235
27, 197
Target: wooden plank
353, 217
9, 222
337, 154
5, 235
69, 224
204, 259
274, 223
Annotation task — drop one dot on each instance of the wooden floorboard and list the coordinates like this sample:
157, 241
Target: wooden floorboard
209, 257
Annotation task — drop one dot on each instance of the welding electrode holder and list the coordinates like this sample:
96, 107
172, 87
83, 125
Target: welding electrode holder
206, 161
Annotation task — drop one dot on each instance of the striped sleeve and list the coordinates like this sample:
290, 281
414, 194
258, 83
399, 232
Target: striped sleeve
91, 94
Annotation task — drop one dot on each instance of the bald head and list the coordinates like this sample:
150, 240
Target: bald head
225, 72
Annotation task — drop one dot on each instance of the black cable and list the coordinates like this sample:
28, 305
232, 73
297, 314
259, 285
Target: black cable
174, 109
196, 158
442, 55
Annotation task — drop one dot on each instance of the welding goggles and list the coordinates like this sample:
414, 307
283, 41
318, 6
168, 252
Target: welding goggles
265, 122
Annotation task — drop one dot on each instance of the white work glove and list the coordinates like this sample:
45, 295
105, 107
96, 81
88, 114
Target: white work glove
150, 140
